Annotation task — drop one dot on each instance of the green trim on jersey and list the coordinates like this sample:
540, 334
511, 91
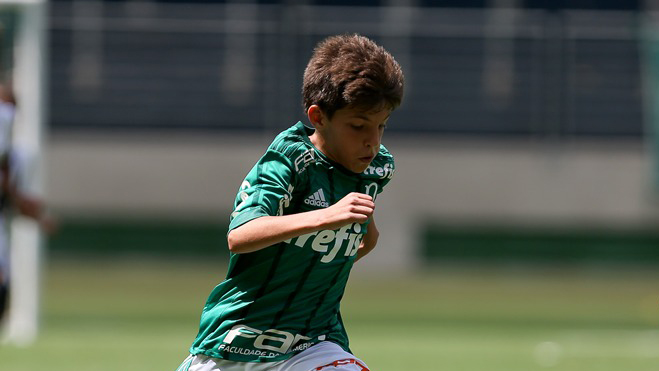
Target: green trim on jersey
281, 300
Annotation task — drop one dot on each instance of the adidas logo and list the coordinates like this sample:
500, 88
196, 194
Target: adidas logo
317, 199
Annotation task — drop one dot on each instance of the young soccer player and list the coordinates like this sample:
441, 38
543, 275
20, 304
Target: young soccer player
13, 195
302, 217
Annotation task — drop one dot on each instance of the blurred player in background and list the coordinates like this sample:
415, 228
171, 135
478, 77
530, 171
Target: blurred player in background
302, 217
13, 194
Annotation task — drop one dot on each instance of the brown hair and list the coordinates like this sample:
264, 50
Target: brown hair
351, 70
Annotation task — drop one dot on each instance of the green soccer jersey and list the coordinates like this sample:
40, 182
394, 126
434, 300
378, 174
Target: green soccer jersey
283, 299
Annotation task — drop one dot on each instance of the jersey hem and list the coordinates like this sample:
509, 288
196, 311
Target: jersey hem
212, 354
283, 357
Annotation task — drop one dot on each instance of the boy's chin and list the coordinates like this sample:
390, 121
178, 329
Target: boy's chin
359, 168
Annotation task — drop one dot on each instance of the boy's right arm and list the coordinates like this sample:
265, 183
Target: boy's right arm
266, 231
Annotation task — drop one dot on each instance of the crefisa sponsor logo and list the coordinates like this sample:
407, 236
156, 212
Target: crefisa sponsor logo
384, 172
330, 242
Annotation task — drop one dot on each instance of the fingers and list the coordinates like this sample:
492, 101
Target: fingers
360, 201
360, 195
360, 205
360, 198
354, 207
362, 214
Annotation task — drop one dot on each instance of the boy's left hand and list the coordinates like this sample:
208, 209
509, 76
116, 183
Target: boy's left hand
369, 241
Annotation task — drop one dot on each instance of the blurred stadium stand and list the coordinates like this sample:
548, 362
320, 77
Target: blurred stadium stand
527, 116
533, 71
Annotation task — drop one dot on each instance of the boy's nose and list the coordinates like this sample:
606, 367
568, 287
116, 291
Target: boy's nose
373, 139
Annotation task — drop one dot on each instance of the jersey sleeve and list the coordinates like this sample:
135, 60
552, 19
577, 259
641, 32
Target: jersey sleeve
265, 191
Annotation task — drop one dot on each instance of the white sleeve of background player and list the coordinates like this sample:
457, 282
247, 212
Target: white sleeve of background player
7, 113
21, 167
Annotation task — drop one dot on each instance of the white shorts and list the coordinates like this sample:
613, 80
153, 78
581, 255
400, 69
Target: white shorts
324, 356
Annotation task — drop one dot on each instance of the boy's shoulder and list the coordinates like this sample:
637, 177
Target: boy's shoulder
382, 166
383, 159
384, 156
291, 140
294, 144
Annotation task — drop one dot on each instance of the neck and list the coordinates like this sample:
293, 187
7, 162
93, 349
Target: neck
319, 143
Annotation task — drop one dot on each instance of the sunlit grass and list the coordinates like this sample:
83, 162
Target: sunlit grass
142, 315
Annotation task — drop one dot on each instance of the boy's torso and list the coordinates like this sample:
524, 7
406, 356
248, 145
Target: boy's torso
283, 299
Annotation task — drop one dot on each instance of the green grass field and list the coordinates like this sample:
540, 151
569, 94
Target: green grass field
142, 315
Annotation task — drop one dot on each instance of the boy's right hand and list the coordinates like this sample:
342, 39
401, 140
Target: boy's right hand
353, 208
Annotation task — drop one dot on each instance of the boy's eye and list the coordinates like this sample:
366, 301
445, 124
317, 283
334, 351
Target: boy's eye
356, 127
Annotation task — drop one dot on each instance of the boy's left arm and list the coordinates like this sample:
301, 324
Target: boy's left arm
369, 241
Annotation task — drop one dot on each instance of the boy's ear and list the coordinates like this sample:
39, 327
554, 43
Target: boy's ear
315, 116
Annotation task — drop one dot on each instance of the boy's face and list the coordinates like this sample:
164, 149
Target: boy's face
351, 137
